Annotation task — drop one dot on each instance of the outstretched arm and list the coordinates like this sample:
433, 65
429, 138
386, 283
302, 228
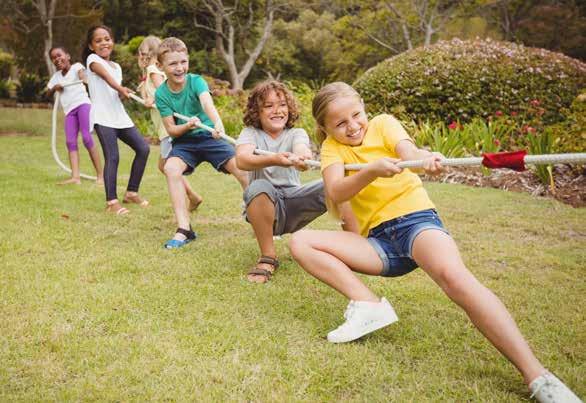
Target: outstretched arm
210, 109
342, 188
248, 161
407, 150
179, 130
103, 73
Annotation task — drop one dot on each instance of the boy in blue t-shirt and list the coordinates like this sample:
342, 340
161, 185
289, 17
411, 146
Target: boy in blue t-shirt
188, 94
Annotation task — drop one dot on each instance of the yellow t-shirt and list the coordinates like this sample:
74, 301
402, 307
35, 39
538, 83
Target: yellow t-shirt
150, 89
384, 198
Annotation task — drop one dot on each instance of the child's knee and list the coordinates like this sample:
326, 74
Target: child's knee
298, 244
173, 169
162, 166
71, 145
458, 284
88, 142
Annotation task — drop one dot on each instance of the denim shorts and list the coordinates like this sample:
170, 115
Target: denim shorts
195, 150
393, 240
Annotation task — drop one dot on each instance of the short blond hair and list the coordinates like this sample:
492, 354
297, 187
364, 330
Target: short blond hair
168, 45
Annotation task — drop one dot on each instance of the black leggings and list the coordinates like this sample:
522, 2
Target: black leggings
108, 139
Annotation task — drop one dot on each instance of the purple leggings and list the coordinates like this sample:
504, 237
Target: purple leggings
78, 120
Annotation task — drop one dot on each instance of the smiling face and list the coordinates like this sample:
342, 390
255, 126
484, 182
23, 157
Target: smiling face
144, 57
274, 112
345, 120
61, 59
175, 65
102, 43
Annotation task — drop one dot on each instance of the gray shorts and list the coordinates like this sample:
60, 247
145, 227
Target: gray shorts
166, 146
295, 206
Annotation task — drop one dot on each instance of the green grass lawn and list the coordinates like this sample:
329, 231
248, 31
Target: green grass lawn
93, 308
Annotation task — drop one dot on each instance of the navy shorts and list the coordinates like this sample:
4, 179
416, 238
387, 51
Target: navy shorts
195, 150
393, 240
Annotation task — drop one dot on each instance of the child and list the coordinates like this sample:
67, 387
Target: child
76, 106
403, 232
110, 118
276, 202
147, 59
188, 94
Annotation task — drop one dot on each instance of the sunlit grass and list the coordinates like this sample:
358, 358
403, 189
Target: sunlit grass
93, 308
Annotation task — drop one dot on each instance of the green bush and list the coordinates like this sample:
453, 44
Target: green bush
6, 63
31, 88
572, 131
134, 43
4, 88
459, 80
128, 62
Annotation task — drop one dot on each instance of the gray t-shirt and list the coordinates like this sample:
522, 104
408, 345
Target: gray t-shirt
278, 176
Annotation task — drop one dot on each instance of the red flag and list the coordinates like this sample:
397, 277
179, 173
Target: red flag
514, 160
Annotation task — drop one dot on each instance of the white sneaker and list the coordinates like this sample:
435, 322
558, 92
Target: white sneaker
547, 388
363, 318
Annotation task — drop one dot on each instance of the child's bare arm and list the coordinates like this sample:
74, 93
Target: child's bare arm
82, 75
210, 109
349, 221
178, 130
342, 188
407, 150
248, 161
103, 73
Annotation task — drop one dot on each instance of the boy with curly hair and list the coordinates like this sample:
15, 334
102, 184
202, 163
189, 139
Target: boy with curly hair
276, 201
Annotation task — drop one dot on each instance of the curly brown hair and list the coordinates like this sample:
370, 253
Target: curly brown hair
257, 97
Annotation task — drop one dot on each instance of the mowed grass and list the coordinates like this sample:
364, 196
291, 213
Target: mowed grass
93, 308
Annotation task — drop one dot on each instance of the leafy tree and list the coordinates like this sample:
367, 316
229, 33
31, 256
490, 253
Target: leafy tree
240, 30
34, 26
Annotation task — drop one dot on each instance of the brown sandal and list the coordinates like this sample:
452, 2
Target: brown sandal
267, 274
117, 209
136, 199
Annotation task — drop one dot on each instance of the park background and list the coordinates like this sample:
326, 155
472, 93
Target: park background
94, 309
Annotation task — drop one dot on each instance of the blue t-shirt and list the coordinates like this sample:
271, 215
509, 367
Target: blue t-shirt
186, 102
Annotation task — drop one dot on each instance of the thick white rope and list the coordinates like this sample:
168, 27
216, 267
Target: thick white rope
545, 159
54, 132
224, 136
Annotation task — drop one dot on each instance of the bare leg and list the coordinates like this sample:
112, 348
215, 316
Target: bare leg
74, 163
240, 175
174, 168
437, 254
194, 198
95, 157
333, 256
261, 214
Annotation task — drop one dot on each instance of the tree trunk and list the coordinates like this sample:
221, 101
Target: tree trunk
221, 16
46, 15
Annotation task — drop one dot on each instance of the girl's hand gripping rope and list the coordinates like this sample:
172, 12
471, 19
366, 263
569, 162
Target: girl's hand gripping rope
384, 167
124, 92
432, 165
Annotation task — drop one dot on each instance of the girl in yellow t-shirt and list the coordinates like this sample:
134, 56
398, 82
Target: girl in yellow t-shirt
147, 61
399, 231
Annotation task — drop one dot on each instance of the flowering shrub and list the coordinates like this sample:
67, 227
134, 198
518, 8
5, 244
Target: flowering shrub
459, 80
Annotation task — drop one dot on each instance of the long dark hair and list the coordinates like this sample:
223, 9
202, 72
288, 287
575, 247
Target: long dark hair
86, 51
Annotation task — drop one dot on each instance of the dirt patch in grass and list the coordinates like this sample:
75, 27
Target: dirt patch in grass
570, 182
